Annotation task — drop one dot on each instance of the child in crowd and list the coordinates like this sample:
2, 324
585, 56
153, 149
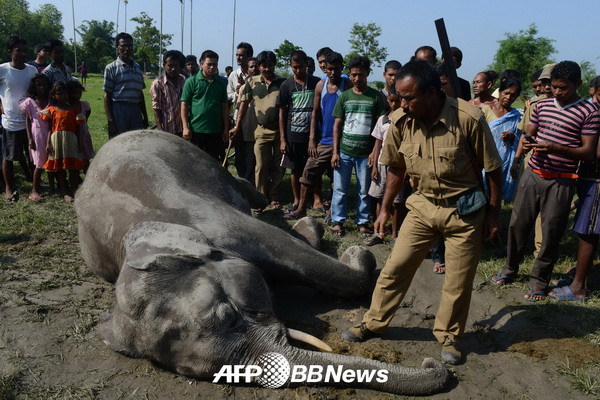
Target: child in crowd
37, 99
379, 174
64, 144
356, 113
76, 89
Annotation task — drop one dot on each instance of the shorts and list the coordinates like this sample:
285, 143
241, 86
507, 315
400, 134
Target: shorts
316, 166
587, 218
14, 145
298, 153
377, 189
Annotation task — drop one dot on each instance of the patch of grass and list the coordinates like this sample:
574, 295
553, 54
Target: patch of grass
10, 384
585, 380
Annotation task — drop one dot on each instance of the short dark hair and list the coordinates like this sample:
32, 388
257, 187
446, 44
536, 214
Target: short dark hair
31, 89
510, 82
57, 87
431, 49
39, 47
490, 75
298, 56
13, 40
266, 56
392, 64
455, 52
510, 73
208, 54
247, 47
423, 73
252, 59
191, 57
175, 55
324, 51
360, 62
335, 59
74, 84
595, 83
568, 70
228, 68
124, 36
53, 43
535, 76
440, 69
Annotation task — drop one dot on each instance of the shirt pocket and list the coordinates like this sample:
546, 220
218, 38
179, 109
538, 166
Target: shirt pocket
452, 161
412, 158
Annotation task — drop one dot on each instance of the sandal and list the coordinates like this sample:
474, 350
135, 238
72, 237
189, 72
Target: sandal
365, 231
337, 230
36, 198
13, 198
531, 296
275, 205
373, 240
293, 208
439, 268
501, 280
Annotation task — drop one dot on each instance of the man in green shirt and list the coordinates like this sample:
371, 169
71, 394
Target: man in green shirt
204, 107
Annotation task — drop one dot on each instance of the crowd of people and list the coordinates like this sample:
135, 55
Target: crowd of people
424, 153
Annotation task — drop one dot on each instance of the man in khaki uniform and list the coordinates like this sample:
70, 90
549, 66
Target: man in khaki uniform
442, 143
264, 89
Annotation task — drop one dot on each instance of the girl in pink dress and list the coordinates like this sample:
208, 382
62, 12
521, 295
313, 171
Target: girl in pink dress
37, 129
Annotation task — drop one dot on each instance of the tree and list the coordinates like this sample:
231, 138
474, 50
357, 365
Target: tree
363, 42
283, 53
525, 52
588, 72
146, 39
97, 43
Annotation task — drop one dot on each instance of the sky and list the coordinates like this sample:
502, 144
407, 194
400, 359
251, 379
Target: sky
473, 26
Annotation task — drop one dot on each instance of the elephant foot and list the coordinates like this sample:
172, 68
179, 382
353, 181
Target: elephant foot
361, 260
309, 230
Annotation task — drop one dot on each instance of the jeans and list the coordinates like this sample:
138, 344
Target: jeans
341, 184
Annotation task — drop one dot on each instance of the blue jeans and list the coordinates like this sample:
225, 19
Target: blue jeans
341, 184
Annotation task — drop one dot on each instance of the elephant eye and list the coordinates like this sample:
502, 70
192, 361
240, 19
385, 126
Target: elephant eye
228, 316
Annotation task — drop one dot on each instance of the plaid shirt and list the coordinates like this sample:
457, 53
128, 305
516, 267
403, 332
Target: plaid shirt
55, 74
165, 97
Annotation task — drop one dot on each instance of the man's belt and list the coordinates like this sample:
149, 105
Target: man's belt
449, 202
550, 175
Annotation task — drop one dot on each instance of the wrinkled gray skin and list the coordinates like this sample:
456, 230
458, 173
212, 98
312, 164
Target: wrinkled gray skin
172, 228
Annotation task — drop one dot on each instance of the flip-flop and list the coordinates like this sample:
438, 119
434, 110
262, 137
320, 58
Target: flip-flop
565, 294
275, 205
13, 198
365, 231
294, 207
373, 240
337, 230
506, 280
439, 268
529, 296
35, 198
291, 217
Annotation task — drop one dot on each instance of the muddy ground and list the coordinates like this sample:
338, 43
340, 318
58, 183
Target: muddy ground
49, 346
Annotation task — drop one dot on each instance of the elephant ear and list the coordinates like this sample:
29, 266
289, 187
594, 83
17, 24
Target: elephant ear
149, 242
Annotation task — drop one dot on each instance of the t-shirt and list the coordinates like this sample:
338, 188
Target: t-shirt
40, 67
563, 126
206, 99
299, 100
359, 113
381, 129
13, 90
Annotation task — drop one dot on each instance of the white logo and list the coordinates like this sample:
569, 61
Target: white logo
273, 371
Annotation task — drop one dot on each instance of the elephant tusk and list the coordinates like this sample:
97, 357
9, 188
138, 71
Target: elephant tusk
310, 339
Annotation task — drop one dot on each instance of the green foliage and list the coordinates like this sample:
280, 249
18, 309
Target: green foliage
97, 44
363, 42
146, 39
525, 52
36, 27
588, 72
283, 53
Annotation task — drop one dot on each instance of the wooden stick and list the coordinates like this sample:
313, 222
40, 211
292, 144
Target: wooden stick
447, 55
227, 152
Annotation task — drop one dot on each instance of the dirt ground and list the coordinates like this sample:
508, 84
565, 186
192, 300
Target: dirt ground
49, 346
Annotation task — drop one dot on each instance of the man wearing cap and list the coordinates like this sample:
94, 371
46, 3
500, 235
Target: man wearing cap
563, 130
443, 144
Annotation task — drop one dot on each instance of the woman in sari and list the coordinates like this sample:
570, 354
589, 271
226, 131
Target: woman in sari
503, 121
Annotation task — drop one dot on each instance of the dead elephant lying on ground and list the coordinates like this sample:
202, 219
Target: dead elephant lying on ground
173, 229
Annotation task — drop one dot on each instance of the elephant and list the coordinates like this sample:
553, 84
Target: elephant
173, 230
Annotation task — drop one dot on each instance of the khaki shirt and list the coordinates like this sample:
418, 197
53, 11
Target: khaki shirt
438, 160
265, 103
524, 124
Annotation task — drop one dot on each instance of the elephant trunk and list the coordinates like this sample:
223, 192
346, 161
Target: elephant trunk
324, 369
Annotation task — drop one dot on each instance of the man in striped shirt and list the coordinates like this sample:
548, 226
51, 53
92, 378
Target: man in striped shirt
166, 91
563, 130
124, 103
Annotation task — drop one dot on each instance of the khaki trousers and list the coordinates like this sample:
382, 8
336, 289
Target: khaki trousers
423, 226
268, 174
